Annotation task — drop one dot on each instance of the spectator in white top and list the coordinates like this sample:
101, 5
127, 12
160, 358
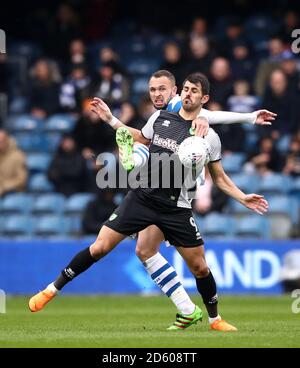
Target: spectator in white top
113, 87
241, 100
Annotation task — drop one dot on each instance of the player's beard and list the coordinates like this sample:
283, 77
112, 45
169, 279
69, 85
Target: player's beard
164, 106
189, 106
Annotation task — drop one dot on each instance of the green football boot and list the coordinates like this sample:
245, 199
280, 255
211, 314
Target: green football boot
124, 141
184, 321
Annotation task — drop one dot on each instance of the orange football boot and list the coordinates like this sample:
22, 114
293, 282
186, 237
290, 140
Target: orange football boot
39, 300
221, 325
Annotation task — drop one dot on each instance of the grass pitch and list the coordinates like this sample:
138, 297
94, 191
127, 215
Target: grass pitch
136, 321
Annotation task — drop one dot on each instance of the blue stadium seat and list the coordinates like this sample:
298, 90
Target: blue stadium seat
135, 98
78, 202
31, 142
295, 186
283, 215
252, 226
118, 198
252, 138
137, 45
157, 42
53, 140
55, 127
24, 141
50, 225
74, 224
283, 205
26, 49
260, 28
232, 163
16, 225
140, 85
38, 162
216, 225
274, 184
283, 144
25, 123
142, 66
74, 208
247, 183
238, 209
49, 203
59, 123
18, 105
295, 189
16, 203
39, 183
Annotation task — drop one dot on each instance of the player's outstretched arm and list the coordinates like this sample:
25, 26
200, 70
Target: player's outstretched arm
253, 201
259, 117
100, 108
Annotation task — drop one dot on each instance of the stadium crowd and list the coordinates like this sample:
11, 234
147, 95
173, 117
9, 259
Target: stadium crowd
49, 138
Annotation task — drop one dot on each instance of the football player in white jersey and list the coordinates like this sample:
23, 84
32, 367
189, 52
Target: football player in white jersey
163, 94
165, 207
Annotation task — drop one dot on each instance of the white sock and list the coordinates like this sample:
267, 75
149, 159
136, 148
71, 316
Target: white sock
165, 277
52, 288
212, 320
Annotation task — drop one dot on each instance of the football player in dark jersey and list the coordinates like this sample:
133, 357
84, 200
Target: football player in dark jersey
167, 208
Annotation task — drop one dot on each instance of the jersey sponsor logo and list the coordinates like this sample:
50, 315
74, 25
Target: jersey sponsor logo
113, 217
166, 123
168, 143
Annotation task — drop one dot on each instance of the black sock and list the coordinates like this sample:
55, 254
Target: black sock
80, 263
208, 289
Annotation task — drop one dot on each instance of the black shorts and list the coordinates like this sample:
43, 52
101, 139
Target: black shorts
137, 212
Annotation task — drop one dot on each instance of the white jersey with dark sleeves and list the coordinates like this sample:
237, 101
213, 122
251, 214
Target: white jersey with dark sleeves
167, 131
215, 117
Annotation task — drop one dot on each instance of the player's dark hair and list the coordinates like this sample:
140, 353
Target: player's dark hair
199, 78
164, 73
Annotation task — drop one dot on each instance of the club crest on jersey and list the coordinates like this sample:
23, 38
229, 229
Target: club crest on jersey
192, 131
166, 143
166, 123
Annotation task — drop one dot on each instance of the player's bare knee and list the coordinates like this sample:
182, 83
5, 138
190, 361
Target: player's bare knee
143, 254
99, 248
200, 271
